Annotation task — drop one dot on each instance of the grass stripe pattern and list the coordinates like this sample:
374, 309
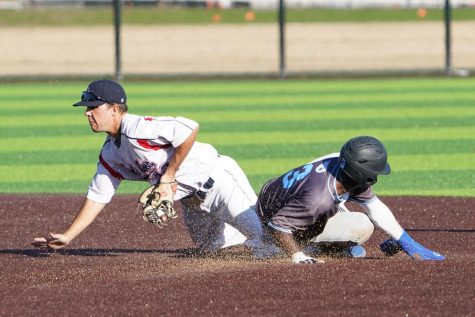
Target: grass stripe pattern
269, 127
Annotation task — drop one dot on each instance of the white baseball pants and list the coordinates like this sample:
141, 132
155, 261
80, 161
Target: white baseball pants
227, 216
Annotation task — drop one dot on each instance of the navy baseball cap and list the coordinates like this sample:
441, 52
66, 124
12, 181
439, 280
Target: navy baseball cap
100, 91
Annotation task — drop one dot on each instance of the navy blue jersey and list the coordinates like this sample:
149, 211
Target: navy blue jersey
305, 197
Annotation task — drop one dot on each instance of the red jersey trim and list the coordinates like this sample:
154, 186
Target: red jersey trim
146, 144
110, 169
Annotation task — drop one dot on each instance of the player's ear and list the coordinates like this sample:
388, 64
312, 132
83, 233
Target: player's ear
119, 108
115, 109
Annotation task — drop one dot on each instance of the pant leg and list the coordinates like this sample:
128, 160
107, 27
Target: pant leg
231, 204
240, 211
227, 216
346, 226
208, 231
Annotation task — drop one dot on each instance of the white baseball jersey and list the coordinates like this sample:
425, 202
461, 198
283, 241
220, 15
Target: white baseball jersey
142, 151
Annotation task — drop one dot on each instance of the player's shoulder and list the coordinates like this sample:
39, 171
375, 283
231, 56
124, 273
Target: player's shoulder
130, 123
137, 126
129, 120
328, 157
319, 165
326, 162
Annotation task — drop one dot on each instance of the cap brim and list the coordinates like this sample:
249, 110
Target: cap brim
95, 103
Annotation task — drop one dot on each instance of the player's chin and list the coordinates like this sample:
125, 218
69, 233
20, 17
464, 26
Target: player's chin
94, 129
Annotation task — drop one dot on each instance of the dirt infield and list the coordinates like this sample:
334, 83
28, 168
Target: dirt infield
123, 266
245, 48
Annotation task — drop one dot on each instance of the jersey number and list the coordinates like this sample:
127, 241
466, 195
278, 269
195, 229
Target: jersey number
296, 175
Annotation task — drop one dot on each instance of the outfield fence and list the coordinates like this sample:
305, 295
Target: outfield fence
238, 44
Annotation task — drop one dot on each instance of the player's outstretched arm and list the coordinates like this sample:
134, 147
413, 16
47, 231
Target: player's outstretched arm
382, 216
287, 242
88, 212
412, 248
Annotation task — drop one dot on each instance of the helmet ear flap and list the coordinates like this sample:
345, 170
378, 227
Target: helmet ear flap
346, 180
371, 181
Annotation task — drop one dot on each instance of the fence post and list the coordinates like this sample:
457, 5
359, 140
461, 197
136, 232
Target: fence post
117, 24
282, 39
448, 37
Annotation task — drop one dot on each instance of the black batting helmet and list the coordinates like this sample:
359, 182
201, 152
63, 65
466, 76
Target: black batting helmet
361, 160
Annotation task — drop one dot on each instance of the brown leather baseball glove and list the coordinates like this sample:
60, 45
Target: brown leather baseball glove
155, 207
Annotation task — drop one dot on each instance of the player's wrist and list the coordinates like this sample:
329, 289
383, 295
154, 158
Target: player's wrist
67, 237
167, 182
168, 178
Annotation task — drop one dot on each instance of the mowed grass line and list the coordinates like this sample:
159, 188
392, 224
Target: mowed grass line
437, 162
159, 15
89, 141
267, 126
400, 182
265, 115
79, 129
249, 152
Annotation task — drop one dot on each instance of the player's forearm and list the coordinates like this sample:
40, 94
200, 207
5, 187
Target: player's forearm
89, 211
286, 241
179, 156
383, 218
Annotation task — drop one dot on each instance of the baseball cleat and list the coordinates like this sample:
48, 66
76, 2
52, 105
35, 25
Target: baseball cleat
357, 251
336, 251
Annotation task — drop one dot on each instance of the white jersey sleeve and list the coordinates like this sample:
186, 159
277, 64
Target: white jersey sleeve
383, 218
103, 186
160, 130
182, 130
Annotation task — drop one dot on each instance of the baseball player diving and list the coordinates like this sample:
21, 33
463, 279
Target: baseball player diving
217, 201
304, 208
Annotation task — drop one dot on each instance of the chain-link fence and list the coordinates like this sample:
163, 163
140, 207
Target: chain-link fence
232, 38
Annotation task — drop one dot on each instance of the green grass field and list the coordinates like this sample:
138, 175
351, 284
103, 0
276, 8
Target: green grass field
167, 15
269, 127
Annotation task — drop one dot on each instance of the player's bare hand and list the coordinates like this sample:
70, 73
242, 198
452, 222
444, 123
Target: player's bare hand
54, 241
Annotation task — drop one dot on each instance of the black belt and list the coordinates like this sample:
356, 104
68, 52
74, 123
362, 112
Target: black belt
198, 196
201, 193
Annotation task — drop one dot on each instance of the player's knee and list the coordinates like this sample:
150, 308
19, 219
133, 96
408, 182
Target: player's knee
365, 228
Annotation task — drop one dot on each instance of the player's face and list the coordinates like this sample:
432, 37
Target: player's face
100, 118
